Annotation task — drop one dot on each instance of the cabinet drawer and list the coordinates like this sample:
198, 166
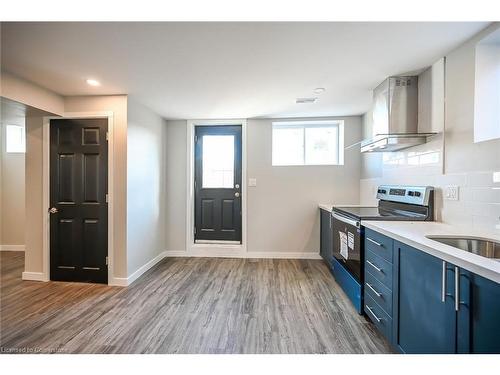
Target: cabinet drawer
379, 244
378, 292
379, 268
379, 317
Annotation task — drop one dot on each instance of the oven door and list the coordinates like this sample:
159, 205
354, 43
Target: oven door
347, 244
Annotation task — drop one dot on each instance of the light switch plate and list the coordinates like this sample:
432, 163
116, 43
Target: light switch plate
451, 193
252, 182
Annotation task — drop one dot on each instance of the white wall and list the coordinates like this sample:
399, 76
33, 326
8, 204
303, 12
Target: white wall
176, 185
146, 214
146, 169
33, 260
30, 94
11, 182
139, 216
460, 161
283, 208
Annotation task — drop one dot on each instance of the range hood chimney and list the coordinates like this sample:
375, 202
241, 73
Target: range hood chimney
395, 116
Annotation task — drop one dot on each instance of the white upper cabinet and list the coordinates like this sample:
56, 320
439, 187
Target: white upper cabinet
487, 88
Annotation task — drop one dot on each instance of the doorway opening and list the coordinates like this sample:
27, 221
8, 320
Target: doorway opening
217, 192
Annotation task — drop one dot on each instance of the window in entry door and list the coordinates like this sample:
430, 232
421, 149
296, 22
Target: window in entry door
218, 161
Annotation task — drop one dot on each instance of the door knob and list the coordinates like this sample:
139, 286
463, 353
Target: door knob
53, 210
236, 194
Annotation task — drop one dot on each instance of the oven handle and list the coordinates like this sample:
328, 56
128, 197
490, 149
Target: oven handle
346, 220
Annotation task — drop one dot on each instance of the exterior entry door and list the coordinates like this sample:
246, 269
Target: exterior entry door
78, 200
217, 183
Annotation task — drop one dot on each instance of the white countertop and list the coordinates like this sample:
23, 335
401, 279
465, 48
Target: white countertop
414, 234
326, 206
329, 206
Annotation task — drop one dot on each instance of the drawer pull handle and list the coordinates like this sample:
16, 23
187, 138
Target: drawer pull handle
373, 314
373, 290
443, 282
374, 266
375, 242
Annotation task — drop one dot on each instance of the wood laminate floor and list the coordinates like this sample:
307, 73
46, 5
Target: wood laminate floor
187, 305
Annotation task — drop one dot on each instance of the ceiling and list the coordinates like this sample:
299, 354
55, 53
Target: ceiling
227, 70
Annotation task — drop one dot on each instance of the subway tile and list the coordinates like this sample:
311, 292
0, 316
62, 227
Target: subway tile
486, 224
488, 195
466, 194
459, 179
491, 210
482, 179
455, 214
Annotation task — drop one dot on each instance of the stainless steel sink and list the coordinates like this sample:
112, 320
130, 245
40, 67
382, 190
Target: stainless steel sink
487, 248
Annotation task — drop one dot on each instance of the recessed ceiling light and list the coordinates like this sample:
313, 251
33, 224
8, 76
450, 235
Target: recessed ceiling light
93, 82
319, 90
305, 100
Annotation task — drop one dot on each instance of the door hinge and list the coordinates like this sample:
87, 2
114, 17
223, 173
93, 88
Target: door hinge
195, 139
107, 198
107, 261
194, 230
107, 136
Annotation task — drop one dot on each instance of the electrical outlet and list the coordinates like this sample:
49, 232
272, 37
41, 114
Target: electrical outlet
252, 182
451, 193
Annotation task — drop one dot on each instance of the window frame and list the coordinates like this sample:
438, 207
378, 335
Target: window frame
305, 124
6, 135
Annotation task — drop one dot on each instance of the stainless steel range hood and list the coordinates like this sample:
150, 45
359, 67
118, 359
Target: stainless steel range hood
395, 116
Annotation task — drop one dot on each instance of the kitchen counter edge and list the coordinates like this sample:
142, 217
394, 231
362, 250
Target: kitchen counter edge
414, 234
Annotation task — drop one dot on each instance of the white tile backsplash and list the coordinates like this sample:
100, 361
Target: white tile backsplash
486, 195
478, 206
482, 179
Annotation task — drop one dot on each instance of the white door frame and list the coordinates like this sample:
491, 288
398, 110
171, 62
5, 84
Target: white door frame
214, 249
46, 187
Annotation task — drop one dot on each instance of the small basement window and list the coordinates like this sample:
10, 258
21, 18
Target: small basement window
15, 139
308, 143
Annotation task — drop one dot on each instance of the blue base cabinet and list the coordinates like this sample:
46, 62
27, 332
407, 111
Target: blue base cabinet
426, 321
478, 325
326, 239
417, 295
379, 282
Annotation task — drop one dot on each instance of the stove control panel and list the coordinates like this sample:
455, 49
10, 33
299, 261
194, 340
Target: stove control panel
405, 194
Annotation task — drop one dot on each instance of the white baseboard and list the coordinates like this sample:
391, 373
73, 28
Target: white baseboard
228, 253
221, 253
12, 247
34, 276
122, 281
118, 281
282, 255
176, 253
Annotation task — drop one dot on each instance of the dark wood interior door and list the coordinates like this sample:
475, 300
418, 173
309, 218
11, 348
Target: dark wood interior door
218, 183
78, 200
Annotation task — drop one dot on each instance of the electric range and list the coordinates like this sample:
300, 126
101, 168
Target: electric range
395, 203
